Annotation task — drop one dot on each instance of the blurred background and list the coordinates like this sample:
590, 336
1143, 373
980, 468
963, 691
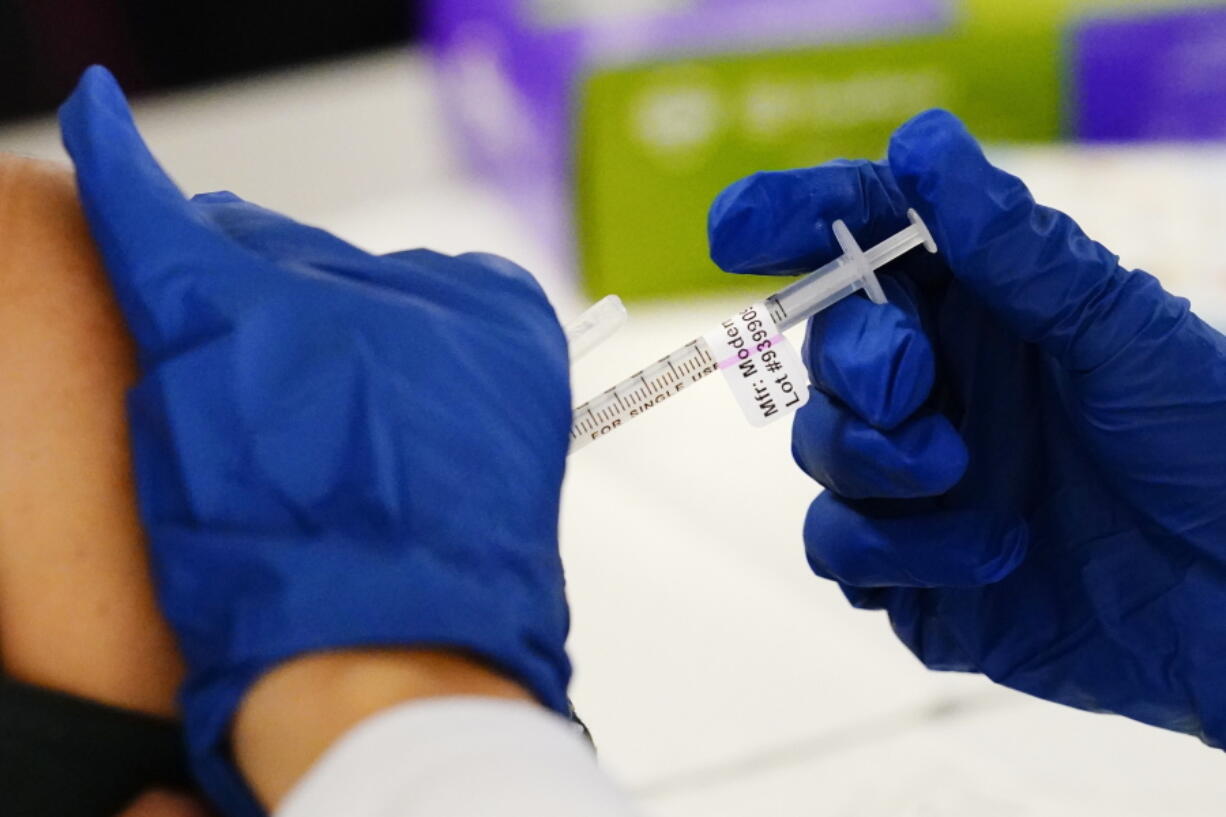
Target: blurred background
150, 45
584, 139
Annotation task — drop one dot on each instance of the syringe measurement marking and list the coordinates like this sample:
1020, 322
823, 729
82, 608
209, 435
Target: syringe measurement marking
607, 411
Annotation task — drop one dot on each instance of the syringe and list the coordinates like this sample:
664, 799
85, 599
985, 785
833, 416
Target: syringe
807, 296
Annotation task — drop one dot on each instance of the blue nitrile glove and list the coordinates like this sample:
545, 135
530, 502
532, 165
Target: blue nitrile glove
333, 449
1025, 451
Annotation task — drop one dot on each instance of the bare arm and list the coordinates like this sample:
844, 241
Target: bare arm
77, 612
294, 713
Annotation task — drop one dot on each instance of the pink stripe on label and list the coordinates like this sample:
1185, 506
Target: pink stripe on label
735, 359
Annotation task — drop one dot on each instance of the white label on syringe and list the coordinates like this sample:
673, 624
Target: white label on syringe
763, 369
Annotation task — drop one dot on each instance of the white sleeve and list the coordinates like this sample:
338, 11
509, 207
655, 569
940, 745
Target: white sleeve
458, 757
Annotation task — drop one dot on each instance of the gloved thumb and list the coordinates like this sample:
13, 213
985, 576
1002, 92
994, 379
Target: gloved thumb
1031, 265
126, 193
143, 225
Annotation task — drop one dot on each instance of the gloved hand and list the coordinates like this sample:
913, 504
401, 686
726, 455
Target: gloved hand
333, 449
1024, 452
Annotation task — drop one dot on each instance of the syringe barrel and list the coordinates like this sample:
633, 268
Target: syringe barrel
853, 271
812, 293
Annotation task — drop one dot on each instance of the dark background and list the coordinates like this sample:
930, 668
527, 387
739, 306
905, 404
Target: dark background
158, 44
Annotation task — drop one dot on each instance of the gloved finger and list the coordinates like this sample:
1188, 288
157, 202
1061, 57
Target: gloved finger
289, 243
122, 186
875, 358
941, 548
499, 270
1031, 265
276, 237
924, 456
504, 268
427, 273
931, 635
779, 222
532, 307
412, 256
144, 227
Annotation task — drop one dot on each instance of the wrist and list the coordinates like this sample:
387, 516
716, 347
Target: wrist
293, 713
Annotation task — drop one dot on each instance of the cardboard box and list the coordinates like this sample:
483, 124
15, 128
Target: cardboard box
615, 124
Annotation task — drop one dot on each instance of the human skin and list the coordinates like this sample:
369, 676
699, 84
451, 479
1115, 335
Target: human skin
77, 609
296, 711
165, 804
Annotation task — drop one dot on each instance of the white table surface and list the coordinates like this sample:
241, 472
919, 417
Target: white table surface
718, 676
